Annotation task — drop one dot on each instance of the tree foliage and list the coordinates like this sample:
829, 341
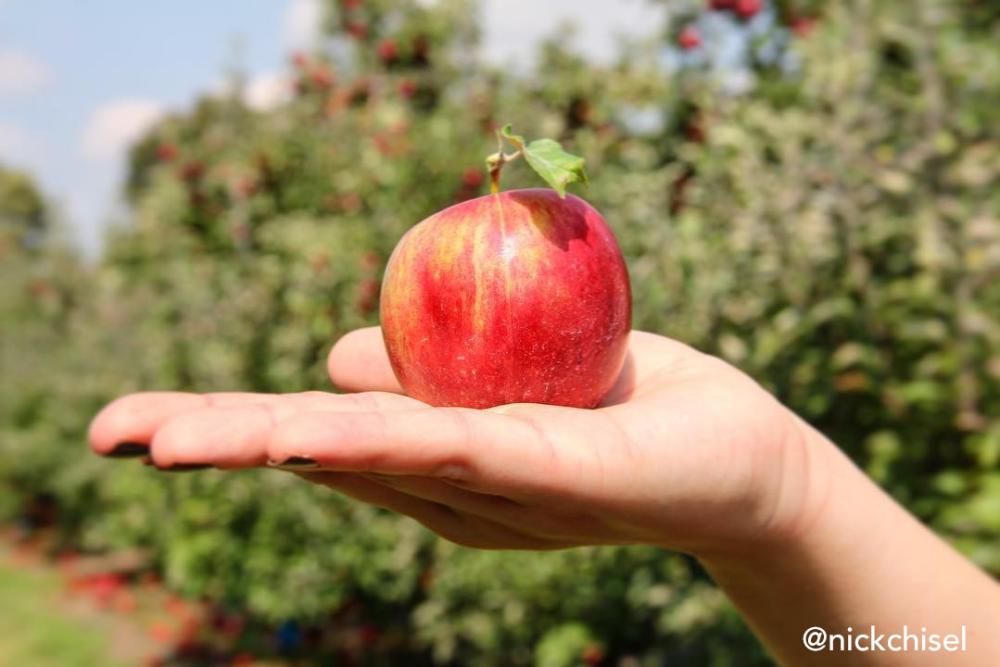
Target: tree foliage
832, 229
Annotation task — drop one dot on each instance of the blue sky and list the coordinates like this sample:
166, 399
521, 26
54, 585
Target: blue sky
81, 79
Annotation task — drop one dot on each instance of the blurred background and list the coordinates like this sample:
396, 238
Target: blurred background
203, 196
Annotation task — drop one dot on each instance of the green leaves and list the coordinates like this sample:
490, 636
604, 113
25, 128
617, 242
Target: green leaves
549, 160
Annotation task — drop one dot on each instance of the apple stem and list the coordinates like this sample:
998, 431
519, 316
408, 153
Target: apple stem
496, 162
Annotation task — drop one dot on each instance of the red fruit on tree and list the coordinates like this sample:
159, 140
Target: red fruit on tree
232, 625
192, 171
720, 5
367, 299
370, 260
387, 50
472, 177
321, 76
407, 88
802, 25
689, 38
167, 152
747, 9
357, 29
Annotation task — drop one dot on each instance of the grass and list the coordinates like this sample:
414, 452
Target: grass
36, 631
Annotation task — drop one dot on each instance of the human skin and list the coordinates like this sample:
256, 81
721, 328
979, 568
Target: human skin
685, 453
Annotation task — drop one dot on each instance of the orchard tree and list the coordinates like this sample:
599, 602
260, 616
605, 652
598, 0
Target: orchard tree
817, 210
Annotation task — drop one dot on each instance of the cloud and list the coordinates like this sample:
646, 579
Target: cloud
14, 140
115, 125
267, 91
20, 148
509, 39
301, 28
21, 73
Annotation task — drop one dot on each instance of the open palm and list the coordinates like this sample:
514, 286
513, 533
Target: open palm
686, 451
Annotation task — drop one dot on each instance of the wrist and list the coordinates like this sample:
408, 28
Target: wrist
799, 504
852, 557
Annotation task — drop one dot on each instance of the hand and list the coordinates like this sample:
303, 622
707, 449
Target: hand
686, 452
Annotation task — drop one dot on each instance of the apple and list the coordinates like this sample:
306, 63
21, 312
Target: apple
515, 297
472, 178
747, 9
407, 88
802, 25
388, 52
689, 38
167, 152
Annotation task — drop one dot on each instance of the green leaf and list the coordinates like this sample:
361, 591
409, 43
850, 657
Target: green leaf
548, 158
515, 139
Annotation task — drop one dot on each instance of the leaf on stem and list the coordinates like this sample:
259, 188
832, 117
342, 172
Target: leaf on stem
550, 161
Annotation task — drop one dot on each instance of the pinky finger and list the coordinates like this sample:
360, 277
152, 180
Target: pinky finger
462, 529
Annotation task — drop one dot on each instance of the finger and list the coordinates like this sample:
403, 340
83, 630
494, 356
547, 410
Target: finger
129, 423
236, 435
454, 526
359, 362
558, 529
484, 505
482, 450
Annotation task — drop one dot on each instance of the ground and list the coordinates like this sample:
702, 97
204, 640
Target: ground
44, 622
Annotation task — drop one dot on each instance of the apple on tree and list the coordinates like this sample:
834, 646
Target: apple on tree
515, 297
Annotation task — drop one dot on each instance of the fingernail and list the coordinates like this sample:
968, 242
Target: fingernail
294, 463
184, 467
128, 450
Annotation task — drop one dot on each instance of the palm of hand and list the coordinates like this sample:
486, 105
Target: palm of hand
686, 452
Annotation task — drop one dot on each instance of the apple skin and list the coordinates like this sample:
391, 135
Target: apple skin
515, 297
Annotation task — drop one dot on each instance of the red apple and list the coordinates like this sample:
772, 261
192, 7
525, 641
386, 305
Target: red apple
802, 25
472, 177
689, 38
516, 297
357, 29
388, 52
407, 88
167, 152
747, 9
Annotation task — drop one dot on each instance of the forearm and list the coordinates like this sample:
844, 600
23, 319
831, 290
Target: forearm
860, 561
